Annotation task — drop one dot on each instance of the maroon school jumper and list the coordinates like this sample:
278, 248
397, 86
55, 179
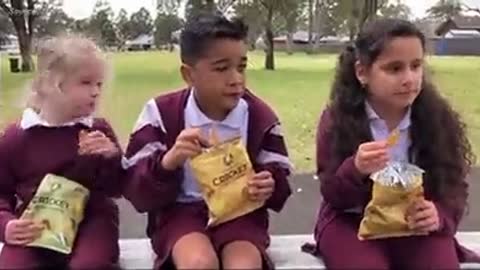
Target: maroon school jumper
336, 230
26, 156
153, 189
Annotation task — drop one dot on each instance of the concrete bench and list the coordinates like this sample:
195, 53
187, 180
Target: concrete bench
284, 250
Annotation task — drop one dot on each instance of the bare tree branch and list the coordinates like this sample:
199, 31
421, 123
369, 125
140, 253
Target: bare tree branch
5, 8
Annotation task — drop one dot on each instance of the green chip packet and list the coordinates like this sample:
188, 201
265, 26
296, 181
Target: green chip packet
59, 205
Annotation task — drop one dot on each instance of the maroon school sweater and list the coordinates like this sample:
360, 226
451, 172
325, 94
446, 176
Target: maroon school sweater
26, 156
345, 187
152, 188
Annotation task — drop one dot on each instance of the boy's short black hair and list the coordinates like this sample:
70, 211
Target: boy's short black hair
204, 28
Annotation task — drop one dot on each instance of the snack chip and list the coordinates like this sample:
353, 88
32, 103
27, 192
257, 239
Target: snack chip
222, 172
394, 190
59, 205
393, 138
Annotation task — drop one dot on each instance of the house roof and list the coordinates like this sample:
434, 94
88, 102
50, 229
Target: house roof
141, 40
459, 22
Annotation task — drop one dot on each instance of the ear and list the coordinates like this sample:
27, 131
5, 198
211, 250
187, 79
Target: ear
187, 74
361, 71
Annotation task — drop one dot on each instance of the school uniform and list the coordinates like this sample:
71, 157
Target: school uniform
172, 198
33, 148
346, 192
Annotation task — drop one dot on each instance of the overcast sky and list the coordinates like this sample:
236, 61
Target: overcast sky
83, 8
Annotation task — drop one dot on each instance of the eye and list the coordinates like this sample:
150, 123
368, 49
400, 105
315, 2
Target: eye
242, 68
86, 82
394, 68
221, 69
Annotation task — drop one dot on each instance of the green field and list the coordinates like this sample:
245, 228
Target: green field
298, 90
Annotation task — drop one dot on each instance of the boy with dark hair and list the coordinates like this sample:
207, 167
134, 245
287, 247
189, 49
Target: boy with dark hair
171, 129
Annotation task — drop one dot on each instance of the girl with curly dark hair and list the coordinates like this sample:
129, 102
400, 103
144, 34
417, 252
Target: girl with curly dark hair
381, 86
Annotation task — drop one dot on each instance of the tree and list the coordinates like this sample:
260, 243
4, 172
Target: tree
122, 25
396, 10
165, 26
101, 24
53, 20
270, 7
252, 14
445, 9
6, 27
290, 11
23, 14
141, 23
194, 7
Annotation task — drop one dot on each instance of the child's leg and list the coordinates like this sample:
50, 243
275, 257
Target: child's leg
194, 251
96, 245
241, 255
340, 247
243, 242
425, 252
15, 257
179, 238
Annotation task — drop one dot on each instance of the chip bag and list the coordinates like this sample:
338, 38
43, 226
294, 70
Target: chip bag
222, 172
395, 188
59, 206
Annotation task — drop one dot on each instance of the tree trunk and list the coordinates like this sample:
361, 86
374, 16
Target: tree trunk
310, 21
25, 43
289, 43
22, 20
269, 58
210, 5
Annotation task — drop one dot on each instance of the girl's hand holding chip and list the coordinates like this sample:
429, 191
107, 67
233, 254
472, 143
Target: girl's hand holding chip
97, 143
261, 186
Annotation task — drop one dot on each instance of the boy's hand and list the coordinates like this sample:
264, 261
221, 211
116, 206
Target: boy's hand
371, 157
261, 186
422, 216
188, 144
20, 232
97, 143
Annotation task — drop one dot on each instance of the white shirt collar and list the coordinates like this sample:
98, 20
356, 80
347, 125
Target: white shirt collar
30, 119
404, 123
197, 118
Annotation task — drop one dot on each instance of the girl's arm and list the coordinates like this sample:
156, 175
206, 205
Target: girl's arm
343, 187
7, 182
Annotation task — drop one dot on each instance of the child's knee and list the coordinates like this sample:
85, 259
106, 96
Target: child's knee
197, 260
241, 255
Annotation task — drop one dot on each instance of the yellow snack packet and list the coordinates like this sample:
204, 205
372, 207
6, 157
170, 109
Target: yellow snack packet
222, 172
395, 189
59, 205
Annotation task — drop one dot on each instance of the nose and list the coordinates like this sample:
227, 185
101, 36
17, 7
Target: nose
411, 75
237, 78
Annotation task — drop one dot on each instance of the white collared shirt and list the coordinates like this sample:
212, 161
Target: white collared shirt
380, 131
31, 118
234, 125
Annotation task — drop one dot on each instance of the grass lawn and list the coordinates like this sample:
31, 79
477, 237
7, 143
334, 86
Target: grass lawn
298, 90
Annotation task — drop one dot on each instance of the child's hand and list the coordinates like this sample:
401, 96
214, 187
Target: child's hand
422, 216
97, 143
20, 232
261, 186
371, 157
188, 144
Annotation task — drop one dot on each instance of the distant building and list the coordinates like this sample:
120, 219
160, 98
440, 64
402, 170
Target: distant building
141, 43
458, 36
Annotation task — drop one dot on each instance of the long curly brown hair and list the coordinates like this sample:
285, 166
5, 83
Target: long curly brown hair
439, 142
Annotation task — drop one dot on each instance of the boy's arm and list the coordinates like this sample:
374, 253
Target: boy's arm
7, 185
273, 157
149, 186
